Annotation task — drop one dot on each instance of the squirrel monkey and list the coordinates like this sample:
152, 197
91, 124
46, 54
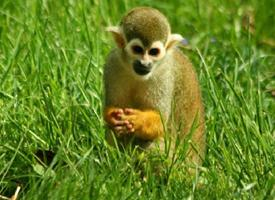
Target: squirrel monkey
150, 85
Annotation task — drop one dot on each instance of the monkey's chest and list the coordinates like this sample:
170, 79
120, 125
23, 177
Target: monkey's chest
144, 98
149, 97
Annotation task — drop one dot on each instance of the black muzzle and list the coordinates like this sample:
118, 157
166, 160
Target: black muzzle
141, 69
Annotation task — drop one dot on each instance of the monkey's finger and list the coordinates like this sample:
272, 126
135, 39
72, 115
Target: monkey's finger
129, 126
119, 129
116, 122
118, 116
117, 112
132, 130
129, 111
126, 122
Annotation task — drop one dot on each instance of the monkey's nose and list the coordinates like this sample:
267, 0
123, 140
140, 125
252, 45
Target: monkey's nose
142, 69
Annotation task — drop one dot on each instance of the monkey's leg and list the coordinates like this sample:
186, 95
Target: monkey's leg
146, 125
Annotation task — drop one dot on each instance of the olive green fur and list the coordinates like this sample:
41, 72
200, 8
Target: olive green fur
137, 24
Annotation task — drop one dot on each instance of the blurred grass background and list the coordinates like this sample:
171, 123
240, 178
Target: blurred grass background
51, 59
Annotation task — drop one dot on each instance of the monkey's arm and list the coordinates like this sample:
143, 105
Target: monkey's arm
146, 125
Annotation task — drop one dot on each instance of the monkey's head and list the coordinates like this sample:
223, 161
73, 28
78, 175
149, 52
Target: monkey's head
144, 35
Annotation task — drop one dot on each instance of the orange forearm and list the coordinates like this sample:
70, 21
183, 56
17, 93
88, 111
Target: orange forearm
148, 125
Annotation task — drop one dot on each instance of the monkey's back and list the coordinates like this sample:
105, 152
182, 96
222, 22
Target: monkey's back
188, 106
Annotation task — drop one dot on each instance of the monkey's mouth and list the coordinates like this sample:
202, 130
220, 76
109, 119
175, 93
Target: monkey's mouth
141, 69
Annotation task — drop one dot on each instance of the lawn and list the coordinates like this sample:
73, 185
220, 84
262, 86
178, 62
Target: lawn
52, 55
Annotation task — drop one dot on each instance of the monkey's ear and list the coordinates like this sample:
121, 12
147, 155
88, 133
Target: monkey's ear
173, 40
117, 35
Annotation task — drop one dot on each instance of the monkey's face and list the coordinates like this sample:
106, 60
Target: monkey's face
142, 58
144, 36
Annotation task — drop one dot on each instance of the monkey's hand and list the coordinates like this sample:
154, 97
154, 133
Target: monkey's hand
114, 117
146, 125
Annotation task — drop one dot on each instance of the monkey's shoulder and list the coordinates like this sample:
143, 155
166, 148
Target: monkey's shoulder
114, 63
180, 58
113, 57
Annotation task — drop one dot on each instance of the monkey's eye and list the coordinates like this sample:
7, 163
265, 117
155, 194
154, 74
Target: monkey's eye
137, 49
154, 51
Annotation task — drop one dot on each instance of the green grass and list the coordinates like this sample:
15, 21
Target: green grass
51, 61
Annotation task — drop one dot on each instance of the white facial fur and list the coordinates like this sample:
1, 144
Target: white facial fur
136, 51
147, 56
130, 45
146, 53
